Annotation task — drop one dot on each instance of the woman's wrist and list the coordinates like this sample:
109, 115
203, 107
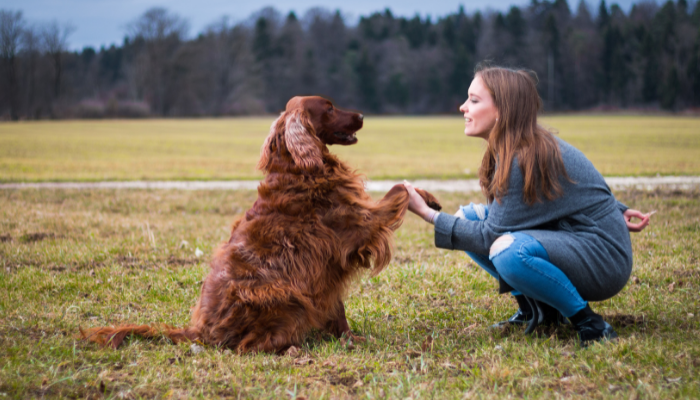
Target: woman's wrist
430, 215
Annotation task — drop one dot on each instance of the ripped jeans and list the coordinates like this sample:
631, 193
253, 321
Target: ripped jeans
524, 264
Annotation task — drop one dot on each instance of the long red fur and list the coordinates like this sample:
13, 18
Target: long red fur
287, 264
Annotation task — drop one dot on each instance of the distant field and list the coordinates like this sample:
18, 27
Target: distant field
389, 147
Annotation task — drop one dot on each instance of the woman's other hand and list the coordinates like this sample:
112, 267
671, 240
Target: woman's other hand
417, 205
639, 226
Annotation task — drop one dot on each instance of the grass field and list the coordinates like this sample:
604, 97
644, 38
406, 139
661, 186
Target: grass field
401, 147
88, 258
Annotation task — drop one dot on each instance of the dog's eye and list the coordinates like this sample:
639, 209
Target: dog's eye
330, 109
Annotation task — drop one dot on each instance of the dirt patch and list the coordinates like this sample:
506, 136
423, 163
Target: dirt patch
57, 268
687, 273
127, 261
507, 329
61, 389
36, 237
660, 193
627, 320
89, 265
30, 332
336, 380
403, 260
123, 261
75, 266
561, 332
172, 260
135, 262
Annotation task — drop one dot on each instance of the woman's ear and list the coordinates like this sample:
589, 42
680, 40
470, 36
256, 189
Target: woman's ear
301, 140
266, 149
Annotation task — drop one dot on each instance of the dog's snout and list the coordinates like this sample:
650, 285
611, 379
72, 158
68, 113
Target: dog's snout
361, 117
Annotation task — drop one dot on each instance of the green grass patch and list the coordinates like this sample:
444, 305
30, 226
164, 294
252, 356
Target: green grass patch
389, 147
97, 257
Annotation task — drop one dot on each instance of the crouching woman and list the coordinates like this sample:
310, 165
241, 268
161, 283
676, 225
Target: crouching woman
552, 233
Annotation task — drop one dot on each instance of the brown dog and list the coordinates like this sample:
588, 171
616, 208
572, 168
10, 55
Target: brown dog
287, 264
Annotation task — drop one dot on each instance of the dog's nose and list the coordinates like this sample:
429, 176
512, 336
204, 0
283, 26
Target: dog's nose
361, 117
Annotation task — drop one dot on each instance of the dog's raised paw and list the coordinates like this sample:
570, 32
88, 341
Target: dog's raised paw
434, 205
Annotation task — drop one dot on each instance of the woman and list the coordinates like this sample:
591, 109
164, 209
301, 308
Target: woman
553, 233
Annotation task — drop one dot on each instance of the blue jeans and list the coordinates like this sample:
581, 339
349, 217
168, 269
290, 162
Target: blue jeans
524, 264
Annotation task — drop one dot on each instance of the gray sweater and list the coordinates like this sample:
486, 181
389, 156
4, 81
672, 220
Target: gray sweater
583, 231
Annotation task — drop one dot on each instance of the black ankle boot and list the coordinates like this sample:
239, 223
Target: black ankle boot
591, 327
551, 316
522, 316
543, 314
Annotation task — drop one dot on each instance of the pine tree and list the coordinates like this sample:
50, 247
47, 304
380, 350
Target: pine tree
367, 81
695, 17
650, 76
414, 31
551, 44
396, 91
262, 41
603, 16
693, 71
682, 7
461, 74
670, 89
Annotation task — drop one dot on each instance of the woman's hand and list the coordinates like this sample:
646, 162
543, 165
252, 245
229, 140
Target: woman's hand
639, 226
417, 205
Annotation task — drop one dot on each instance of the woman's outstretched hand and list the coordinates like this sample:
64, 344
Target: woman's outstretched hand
639, 226
417, 205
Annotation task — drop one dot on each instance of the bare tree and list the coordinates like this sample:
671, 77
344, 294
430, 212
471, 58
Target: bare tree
162, 32
55, 38
11, 26
31, 49
219, 57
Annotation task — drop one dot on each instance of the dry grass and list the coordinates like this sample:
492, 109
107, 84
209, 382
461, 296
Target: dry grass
400, 147
87, 258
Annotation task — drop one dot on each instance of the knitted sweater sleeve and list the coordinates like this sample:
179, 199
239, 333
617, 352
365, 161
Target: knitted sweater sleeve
586, 191
453, 233
509, 215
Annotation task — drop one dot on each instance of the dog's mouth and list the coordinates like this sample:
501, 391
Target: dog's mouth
346, 138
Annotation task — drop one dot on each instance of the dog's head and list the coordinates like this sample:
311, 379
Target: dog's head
305, 127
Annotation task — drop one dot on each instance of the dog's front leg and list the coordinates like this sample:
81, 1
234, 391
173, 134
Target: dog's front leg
339, 326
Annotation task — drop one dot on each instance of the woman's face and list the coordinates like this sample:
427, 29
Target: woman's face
480, 113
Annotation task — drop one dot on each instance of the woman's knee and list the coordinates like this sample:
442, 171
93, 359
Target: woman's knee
473, 212
501, 244
518, 244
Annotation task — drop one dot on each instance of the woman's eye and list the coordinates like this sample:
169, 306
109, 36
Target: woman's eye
474, 101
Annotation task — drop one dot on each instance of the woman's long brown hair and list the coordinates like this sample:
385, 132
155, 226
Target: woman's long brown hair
517, 134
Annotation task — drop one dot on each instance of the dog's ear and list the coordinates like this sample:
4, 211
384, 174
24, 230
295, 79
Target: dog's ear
266, 149
301, 140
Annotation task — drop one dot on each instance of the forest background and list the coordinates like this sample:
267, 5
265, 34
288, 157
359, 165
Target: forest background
601, 59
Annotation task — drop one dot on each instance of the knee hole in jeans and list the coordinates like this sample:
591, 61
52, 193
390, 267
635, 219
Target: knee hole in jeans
501, 244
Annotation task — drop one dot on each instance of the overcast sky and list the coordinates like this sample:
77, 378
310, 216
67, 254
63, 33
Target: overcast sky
103, 22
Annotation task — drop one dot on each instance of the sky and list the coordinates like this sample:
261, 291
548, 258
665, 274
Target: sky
104, 22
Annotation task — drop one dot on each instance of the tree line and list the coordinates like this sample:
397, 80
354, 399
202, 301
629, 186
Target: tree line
648, 58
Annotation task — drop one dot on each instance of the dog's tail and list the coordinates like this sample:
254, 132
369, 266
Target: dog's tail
114, 336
